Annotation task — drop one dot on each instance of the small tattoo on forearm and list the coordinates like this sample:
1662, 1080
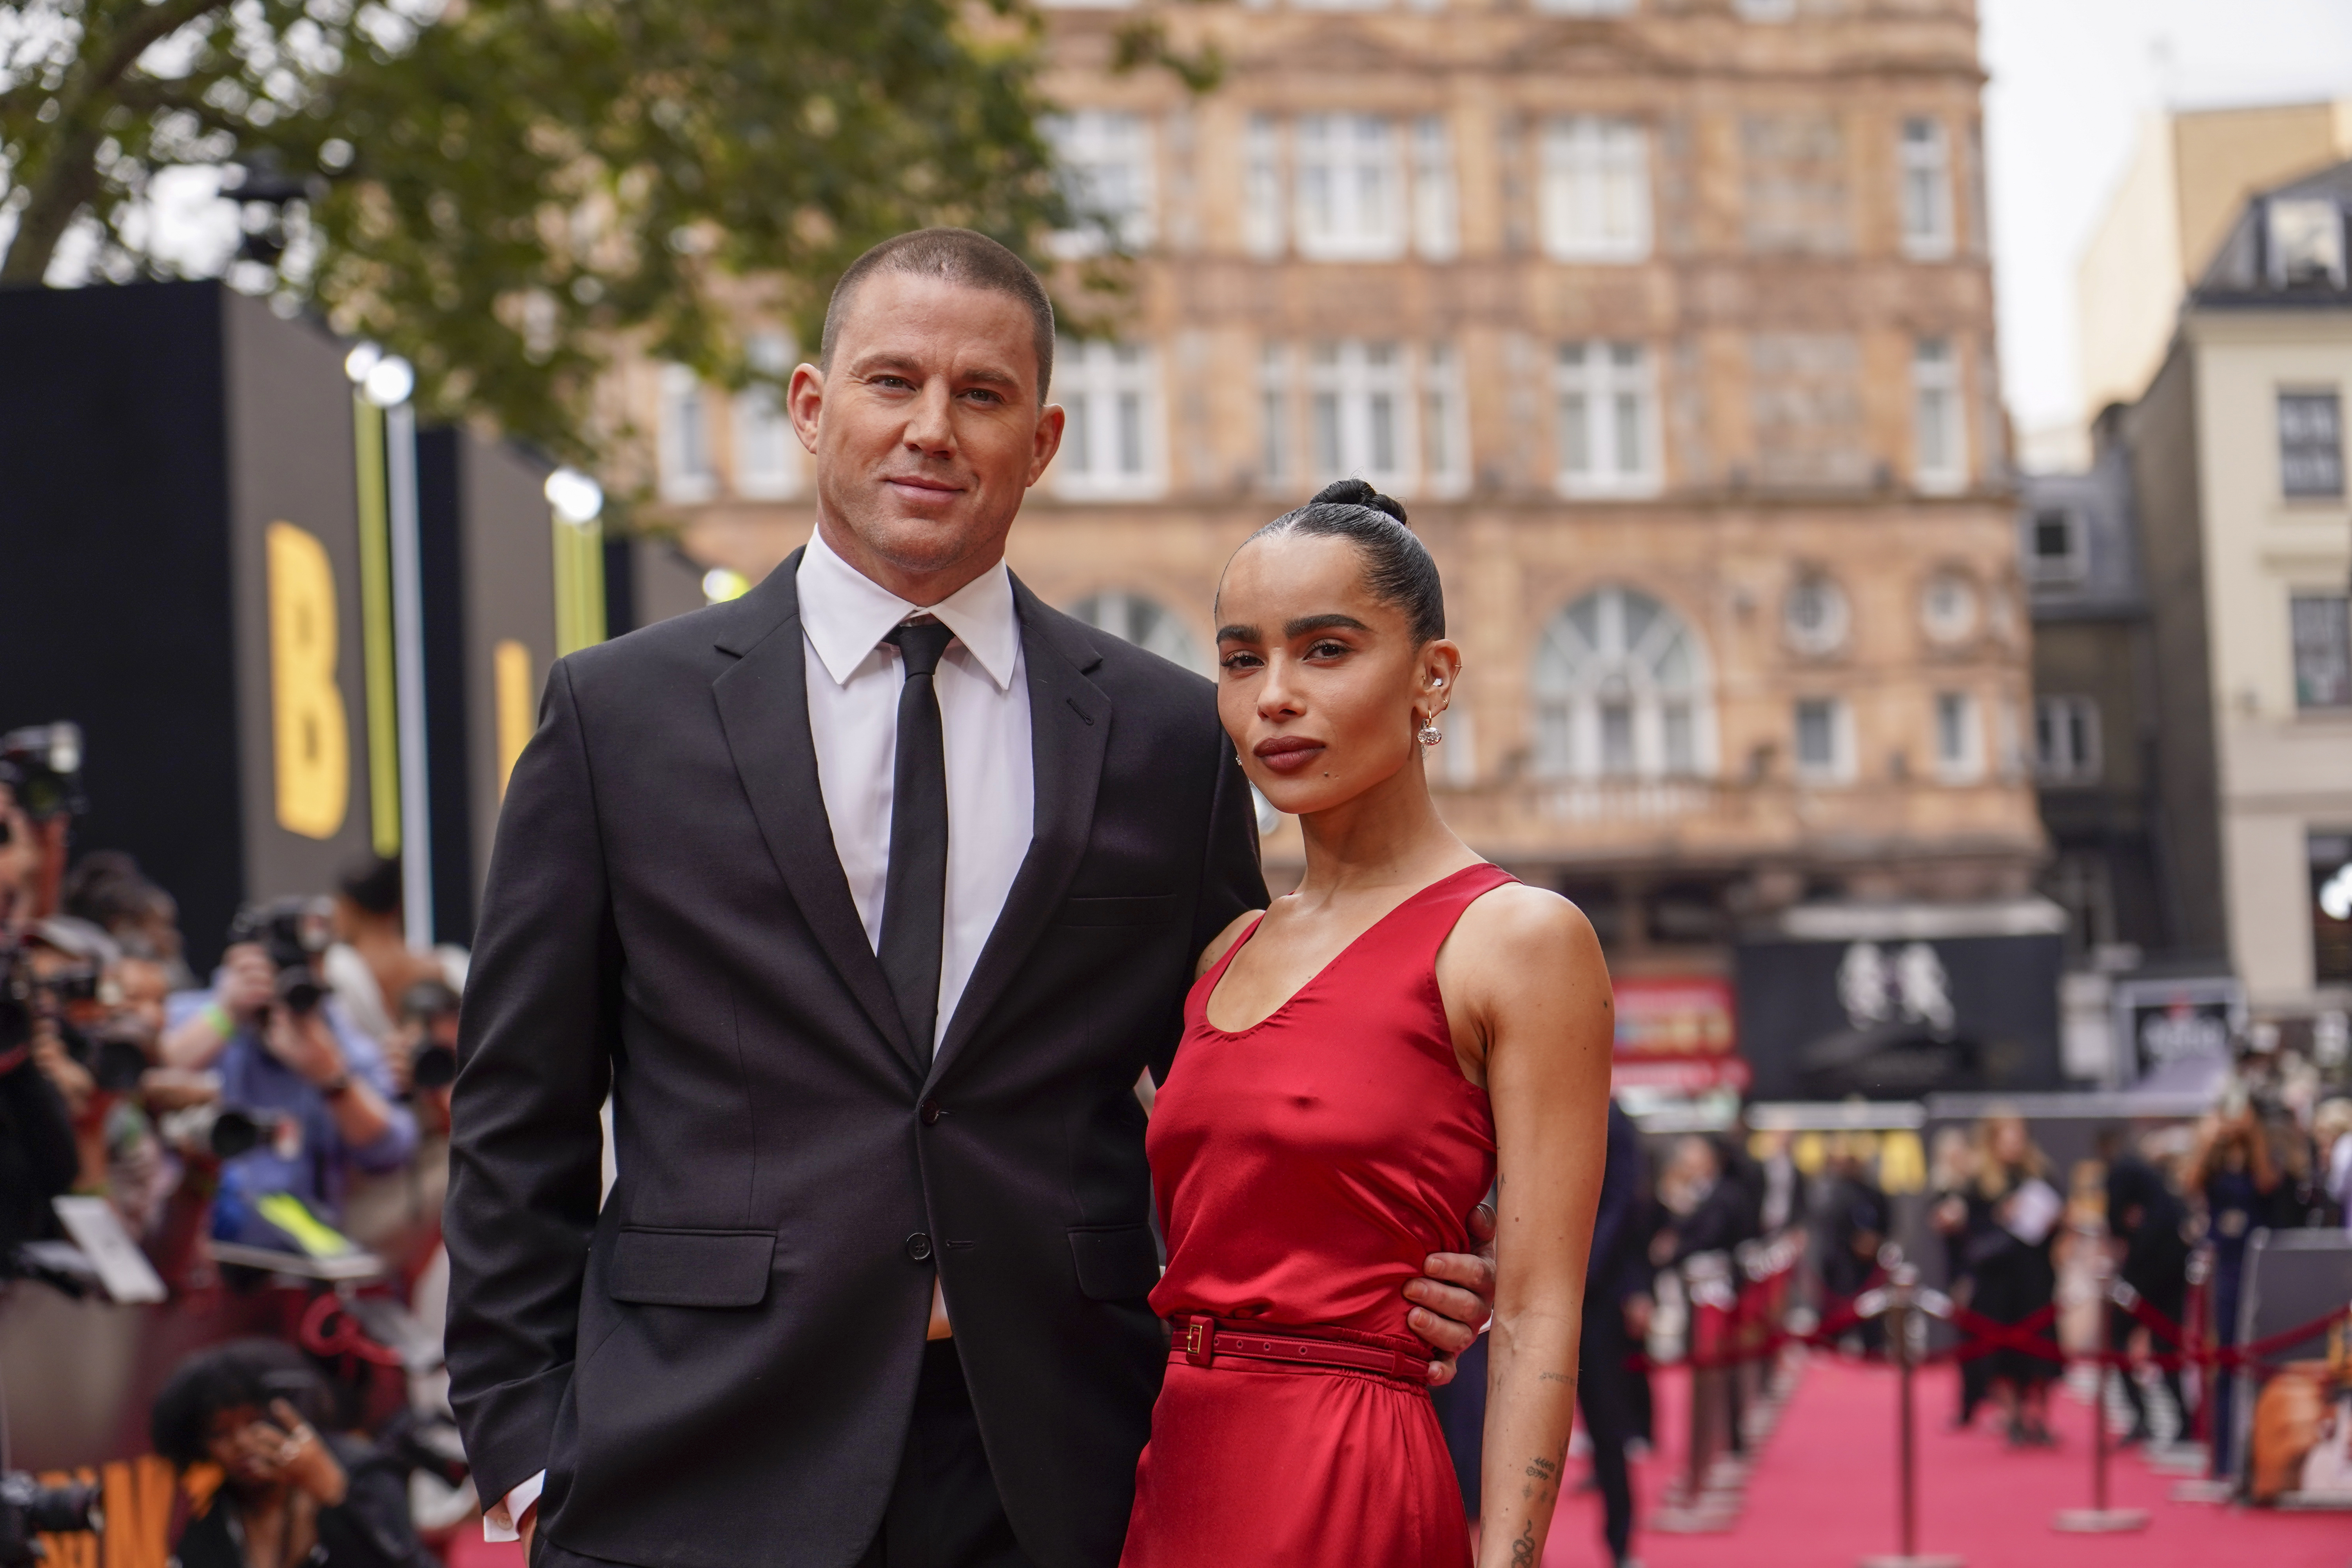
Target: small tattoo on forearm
1543, 1469
1523, 1550
1567, 1378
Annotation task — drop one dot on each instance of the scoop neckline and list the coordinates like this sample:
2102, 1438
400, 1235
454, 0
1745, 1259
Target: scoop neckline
1316, 979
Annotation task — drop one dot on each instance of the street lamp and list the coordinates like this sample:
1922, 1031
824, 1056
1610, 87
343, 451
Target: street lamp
385, 382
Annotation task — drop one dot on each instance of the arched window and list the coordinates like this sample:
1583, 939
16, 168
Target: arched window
1145, 623
1621, 689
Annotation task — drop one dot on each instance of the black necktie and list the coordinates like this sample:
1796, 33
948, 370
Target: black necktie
915, 891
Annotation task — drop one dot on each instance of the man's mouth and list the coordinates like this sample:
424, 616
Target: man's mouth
921, 486
1286, 754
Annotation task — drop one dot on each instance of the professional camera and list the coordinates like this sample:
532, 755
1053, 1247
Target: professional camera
293, 932
224, 1132
28, 1508
42, 765
433, 1005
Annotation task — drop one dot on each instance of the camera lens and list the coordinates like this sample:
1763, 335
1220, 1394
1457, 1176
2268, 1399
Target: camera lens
235, 1133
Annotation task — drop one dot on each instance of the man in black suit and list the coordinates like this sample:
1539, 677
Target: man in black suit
869, 1288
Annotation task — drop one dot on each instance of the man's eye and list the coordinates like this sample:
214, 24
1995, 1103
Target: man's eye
982, 395
895, 383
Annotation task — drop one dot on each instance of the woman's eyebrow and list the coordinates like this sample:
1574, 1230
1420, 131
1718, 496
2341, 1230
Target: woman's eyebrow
1237, 634
1305, 624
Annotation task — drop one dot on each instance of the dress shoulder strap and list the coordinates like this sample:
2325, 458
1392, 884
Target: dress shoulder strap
1416, 929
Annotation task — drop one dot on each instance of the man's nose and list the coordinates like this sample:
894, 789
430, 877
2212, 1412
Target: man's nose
929, 427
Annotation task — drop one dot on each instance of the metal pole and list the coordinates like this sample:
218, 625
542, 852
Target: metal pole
1910, 1458
408, 663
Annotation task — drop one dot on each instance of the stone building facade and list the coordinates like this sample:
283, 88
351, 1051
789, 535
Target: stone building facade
1671, 322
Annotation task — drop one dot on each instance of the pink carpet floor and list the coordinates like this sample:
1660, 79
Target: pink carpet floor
1822, 1494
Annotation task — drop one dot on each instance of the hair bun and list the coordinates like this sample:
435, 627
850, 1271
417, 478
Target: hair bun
1356, 492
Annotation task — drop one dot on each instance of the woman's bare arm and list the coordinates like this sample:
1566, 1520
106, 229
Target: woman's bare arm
1536, 987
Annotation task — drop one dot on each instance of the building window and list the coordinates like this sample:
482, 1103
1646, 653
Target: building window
1145, 622
1436, 216
1948, 611
767, 452
1794, 175
1595, 190
1445, 423
1939, 434
2321, 628
2066, 740
1262, 205
1110, 442
2053, 546
684, 457
1359, 412
1622, 691
1959, 738
2310, 444
2306, 249
1926, 160
1815, 619
1105, 158
1824, 740
1349, 201
1274, 421
1608, 420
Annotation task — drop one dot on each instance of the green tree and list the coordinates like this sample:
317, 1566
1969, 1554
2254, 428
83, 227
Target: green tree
507, 191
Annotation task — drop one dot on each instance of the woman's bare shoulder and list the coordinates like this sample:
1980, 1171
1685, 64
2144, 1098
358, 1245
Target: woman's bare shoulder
1517, 923
1224, 941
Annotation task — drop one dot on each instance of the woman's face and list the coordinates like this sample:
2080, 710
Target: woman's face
2009, 1142
1321, 686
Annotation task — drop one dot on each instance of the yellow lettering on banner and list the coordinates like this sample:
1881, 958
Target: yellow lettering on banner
311, 731
510, 701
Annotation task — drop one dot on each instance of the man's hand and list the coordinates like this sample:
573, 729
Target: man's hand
248, 981
305, 1044
1454, 1297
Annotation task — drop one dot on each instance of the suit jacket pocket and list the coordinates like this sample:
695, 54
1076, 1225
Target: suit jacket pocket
1116, 1263
1148, 909
691, 1268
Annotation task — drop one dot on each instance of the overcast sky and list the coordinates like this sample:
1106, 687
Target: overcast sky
2071, 81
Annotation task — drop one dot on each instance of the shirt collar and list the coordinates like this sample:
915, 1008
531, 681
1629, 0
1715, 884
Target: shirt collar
846, 614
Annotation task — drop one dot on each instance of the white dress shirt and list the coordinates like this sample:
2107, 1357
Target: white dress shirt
854, 679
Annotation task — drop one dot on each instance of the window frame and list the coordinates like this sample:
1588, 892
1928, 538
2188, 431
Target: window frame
2070, 567
1937, 383
1924, 172
2290, 447
686, 459
1357, 376
1265, 210
1091, 372
1603, 382
1335, 151
2082, 759
758, 418
1838, 768
1959, 717
1445, 457
1580, 161
1570, 730
1436, 198
1086, 141
2304, 636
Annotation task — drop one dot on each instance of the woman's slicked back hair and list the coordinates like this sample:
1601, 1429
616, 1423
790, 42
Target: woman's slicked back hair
1397, 567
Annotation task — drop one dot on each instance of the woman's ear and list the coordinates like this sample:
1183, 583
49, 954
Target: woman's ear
1441, 671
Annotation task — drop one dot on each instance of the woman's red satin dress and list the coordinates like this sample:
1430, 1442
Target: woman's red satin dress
1306, 1168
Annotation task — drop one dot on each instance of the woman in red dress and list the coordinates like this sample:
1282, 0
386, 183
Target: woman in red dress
1358, 1064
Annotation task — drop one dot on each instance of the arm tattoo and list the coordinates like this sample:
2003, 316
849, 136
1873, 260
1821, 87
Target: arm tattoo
1556, 1377
1523, 1550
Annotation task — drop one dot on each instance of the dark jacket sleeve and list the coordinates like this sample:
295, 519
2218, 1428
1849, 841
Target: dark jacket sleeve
371, 1527
539, 1032
1616, 1247
1233, 882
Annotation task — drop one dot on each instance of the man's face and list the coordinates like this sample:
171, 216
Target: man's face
927, 430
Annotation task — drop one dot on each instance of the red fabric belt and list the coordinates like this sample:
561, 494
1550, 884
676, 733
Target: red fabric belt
1204, 1340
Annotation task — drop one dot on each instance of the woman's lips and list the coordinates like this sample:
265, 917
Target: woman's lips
1287, 753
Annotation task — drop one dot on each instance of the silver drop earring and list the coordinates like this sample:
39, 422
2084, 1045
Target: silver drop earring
1430, 734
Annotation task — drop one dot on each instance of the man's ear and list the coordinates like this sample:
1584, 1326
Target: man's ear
805, 400
1048, 441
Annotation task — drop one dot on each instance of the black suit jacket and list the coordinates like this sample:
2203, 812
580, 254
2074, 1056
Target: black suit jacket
717, 1368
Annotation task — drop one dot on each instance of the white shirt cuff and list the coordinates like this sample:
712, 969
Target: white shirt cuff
498, 1521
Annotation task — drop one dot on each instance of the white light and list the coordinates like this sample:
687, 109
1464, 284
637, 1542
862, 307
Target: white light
576, 498
720, 584
390, 382
2335, 895
363, 358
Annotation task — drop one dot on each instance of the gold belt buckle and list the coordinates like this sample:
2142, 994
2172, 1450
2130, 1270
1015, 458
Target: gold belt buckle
1200, 1341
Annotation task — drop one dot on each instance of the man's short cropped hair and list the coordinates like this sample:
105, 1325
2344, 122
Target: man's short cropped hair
956, 255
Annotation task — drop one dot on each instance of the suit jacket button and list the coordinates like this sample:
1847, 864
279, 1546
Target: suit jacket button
919, 1248
930, 1112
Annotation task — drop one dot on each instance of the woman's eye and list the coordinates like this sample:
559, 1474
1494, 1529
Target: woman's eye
1240, 661
1327, 649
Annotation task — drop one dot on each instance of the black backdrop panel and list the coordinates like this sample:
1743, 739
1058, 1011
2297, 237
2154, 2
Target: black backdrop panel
1972, 1013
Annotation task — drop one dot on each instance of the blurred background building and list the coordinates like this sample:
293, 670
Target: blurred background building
1674, 329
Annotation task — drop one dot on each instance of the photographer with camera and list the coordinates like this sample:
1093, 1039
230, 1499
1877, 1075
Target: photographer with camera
290, 1492
289, 1058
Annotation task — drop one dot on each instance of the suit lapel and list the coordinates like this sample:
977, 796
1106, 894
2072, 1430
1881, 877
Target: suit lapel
763, 706
1070, 726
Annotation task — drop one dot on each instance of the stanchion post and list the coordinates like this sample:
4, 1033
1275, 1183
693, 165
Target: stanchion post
2099, 1519
1898, 1300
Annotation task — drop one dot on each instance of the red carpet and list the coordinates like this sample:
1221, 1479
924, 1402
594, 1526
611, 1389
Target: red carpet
1822, 1495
